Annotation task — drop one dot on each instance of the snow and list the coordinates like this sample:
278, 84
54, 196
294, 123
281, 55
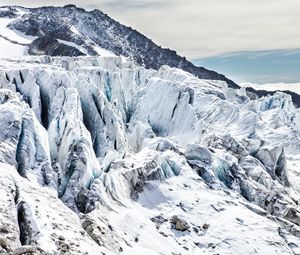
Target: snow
103, 52
12, 42
83, 50
12, 34
49, 219
100, 51
74, 30
104, 153
97, 155
189, 197
8, 49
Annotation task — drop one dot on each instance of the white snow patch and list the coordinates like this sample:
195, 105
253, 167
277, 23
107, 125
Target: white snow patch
83, 50
8, 49
103, 52
12, 34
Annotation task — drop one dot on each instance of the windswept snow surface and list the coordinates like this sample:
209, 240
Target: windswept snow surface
98, 155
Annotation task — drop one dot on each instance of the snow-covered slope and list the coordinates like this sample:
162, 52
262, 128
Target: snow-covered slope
100, 156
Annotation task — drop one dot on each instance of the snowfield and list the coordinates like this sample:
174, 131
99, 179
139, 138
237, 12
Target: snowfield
100, 156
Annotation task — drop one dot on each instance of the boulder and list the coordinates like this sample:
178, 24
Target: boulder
179, 224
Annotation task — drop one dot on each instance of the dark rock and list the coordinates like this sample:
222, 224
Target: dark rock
61, 238
47, 45
4, 230
9, 12
211, 245
205, 226
158, 219
196, 229
3, 243
179, 224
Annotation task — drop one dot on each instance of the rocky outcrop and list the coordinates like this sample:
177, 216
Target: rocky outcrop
179, 224
47, 45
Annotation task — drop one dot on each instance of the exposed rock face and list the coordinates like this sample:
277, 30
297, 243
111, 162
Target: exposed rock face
179, 224
47, 45
102, 146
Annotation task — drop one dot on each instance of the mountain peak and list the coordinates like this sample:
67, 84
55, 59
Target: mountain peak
94, 30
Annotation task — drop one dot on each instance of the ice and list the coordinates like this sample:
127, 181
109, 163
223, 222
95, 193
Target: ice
98, 154
33, 155
71, 145
42, 219
108, 152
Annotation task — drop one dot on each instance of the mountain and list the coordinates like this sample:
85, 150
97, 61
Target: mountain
91, 30
102, 155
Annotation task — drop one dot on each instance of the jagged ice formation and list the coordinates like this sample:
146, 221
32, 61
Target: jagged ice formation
98, 154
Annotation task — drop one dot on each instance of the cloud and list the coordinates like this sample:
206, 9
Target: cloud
202, 28
136, 5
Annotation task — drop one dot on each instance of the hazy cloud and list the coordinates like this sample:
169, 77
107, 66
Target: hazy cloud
137, 5
201, 28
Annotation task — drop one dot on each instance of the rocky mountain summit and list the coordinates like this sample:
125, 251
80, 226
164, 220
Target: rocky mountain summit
91, 29
109, 151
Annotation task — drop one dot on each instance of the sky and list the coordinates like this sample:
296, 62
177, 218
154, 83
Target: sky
260, 67
206, 29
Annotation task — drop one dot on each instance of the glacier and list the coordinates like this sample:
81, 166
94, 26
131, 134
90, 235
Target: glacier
98, 155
